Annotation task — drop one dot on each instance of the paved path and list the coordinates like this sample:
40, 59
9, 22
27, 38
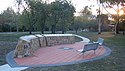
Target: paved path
56, 56
59, 55
6, 67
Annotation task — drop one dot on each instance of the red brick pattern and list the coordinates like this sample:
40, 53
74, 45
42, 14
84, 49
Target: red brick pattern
55, 55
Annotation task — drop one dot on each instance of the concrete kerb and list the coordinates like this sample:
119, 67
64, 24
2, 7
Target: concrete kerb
12, 63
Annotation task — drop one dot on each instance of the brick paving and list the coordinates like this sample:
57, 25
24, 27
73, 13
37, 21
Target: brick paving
59, 55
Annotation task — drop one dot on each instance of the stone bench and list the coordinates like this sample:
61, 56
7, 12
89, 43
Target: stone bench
27, 45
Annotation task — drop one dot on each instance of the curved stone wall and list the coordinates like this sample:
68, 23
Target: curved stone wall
27, 45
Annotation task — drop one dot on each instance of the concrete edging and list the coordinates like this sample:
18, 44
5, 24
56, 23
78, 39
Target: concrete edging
12, 63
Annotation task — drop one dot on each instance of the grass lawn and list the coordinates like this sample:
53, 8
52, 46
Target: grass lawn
114, 62
8, 42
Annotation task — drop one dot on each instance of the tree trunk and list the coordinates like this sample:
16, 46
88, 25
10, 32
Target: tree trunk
43, 24
63, 31
42, 32
99, 26
10, 29
17, 28
76, 31
30, 27
63, 23
53, 29
117, 24
117, 28
123, 29
30, 30
53, 26
42, 28
99, 22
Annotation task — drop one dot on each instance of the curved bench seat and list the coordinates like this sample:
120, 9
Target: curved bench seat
85, 40
27, 45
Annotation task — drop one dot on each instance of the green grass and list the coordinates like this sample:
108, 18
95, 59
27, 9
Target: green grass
114, 62
118, 40
10, 37
8, 43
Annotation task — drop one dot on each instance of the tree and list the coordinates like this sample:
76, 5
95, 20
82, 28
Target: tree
41, 10
103, 22
122, 23
88, 20
66, 16
84, 24
2, 22
23, 21
54, 15
25, 5
111, 4
77, 25
9, 18
123, 27
86, 11
29, 7
61, 14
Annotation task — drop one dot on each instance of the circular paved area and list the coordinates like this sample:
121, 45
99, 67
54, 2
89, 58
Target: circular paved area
58, 55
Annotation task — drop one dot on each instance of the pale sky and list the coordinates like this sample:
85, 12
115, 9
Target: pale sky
79, 4
4, 4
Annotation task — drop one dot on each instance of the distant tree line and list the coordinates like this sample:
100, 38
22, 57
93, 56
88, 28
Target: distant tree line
38, 15
8, 20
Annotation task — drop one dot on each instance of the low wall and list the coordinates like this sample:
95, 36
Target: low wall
27, 45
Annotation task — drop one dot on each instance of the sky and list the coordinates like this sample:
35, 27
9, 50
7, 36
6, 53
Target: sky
4, 4
79, 5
